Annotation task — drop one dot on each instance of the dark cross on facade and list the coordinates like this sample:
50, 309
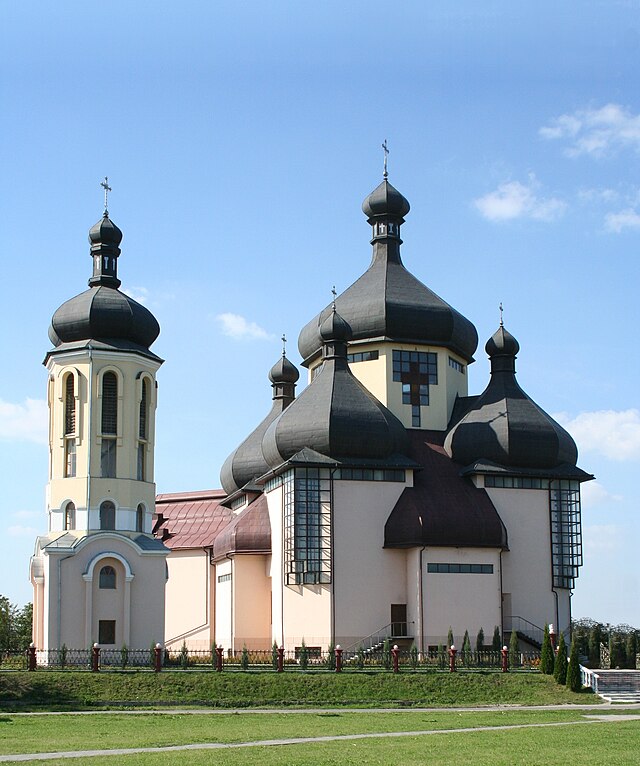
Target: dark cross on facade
107, 189
385, 149
415, 379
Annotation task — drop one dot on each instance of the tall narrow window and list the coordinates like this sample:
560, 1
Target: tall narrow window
69, 427
107, 515
70, 516
109, 424
143, 425
140, 518
107, 579
566, 532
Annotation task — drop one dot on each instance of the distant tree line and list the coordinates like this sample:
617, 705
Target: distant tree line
15, 626
622, 641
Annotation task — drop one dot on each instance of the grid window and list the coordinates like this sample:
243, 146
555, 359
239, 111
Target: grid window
362, 356
307, 519
416, 371
107, 578
108, 458
460, 568
369, 474
566, 532
224, 577
69, 457
456, 365
516, 482
70, 516
106, 631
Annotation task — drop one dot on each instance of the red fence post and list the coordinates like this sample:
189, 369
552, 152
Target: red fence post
280, 659
95, 659
219, 659
505, 659
394, 655
452, 659
31, 656
157, 659
338, 659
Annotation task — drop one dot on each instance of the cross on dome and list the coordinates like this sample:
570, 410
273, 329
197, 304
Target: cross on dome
107, 189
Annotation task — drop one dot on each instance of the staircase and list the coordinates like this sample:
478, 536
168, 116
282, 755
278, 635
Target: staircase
525, 630
613, 685
396, 632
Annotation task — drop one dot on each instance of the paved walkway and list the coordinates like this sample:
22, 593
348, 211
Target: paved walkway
589, 720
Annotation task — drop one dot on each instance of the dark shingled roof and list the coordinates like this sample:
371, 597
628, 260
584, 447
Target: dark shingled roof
190, 519
248, 532
442, 508
388, 301
504, 425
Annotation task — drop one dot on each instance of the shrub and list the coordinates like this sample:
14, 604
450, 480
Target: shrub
303, 656
514, 650
124, 656
331, 657
546, 655
574, 681
496, 641
480, 640
560, 664
360, 658
442, 657
214, 656
595, 639
274, 655
244, 658
413, 656
386, 653
450, 638
62, 655
184, 656
466, 648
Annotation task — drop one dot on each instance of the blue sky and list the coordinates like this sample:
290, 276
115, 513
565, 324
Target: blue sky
240, 140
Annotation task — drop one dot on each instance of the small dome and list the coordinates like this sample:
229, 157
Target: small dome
502, 343
283, 371
505, 426
385, 200
334, 327
105, 232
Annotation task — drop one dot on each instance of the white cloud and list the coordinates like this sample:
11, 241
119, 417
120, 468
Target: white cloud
614, 434
237, 327
594, 494
596, 131
140, 294
625, 219
606, 196
24, 422
513, 199
19, 531
602, 538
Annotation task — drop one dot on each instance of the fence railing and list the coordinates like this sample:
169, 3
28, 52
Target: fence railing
313, 660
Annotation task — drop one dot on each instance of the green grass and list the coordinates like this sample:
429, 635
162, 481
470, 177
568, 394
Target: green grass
31, 734
593, 744
81, 690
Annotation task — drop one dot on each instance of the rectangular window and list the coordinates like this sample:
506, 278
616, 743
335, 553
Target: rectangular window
566, 532
362, 356
69, 457
456, 365
108, 458
307, 522
141, 461
224, 578
516, 482
106, 631
460, 568
369, 474
423, 363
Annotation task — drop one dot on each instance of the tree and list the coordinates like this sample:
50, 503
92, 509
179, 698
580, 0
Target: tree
514, 650
480, 640
274, 655
466, 648
496, 641
595, 639
574, 681
244, 658
303, 656
560, 664
546, 655
450, 640
631, 650
15, 626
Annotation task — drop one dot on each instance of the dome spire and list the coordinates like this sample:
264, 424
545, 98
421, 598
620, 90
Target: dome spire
385, 149
105, 238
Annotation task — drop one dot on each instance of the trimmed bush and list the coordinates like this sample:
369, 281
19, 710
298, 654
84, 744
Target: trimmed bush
560, 664
514, 650
546, 655
450, 638
244, 658
480, 641
466, 648
496, 641
574, 681
303, 656
274, 655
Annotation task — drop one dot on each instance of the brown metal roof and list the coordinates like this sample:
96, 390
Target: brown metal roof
248, 532
190, 519
442, 508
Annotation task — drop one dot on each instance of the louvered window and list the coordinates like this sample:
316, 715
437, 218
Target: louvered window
109, 404
144, 397
69, 407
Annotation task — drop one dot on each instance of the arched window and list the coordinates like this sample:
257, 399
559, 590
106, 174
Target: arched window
109, 424
69, 427
107, 578
70, 516
140, 518
143, 426
107, 515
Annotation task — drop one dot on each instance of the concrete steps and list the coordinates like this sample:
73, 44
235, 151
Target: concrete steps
615, 685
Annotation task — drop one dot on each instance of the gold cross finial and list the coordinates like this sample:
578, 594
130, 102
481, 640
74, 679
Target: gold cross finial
107, 189
501, 322
284, 344
385, 149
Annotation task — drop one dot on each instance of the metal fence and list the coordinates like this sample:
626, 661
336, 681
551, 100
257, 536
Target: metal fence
308, 660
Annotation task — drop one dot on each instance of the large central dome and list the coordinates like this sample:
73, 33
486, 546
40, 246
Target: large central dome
387, 301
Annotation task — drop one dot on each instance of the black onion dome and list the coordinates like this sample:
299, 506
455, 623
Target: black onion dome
385, 200
103, 312
334, 328
247, 462
335, 415
387, 301
505, 426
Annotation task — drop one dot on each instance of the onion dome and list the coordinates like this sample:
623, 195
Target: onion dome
103, 312
246, 462
335, 415
389, 302
504, 425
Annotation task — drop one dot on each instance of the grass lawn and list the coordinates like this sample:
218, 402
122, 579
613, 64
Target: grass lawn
53, 690
587, 744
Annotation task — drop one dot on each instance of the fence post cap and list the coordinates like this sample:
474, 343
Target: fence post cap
282, 647
453, 647
32, 645
395, 647
158, 646
505, 648
338, 648
96, 646
551, 628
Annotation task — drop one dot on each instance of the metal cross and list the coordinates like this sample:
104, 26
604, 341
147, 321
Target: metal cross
107, 189
385, 149
284, 344
501, 322
334, 293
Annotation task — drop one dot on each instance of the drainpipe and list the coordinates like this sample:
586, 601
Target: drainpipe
421, 603
89, 432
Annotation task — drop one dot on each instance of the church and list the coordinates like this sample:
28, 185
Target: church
383, 501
